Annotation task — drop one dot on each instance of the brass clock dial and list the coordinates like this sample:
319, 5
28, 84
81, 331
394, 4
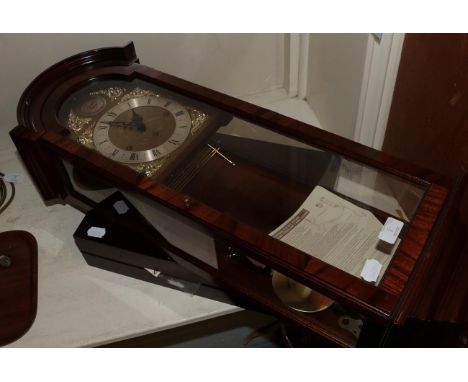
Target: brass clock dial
135, 124
142, 129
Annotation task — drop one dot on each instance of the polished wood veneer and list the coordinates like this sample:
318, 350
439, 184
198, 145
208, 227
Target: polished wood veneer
18, 285
417, 278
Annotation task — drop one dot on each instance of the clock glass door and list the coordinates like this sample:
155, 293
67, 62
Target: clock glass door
329, 207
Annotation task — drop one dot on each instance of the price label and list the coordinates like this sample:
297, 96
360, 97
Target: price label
13, 178
96, 232
121, 207
371, 270
391, 230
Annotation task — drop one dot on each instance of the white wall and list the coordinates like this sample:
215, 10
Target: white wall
237, 64
334, 79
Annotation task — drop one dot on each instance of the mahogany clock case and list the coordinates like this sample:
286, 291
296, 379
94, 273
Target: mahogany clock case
236, 206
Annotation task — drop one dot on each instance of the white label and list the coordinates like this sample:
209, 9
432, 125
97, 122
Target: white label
121, 207
184, 286
176, 283
371, 270
96, 232
391, 230
154, 272
13, 178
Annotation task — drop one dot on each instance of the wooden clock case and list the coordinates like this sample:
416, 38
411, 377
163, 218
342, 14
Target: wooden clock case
421, 300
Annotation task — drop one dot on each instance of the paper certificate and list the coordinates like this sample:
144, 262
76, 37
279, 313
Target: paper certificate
335, 231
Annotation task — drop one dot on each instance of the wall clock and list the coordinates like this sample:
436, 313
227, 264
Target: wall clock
226, 184
135, 123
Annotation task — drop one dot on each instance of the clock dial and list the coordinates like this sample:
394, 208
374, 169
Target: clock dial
149, 129
142, 129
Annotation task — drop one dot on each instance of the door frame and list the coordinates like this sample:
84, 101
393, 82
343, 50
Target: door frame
378, 84
380, 71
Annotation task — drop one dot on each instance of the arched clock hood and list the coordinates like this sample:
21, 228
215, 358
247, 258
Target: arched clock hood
35, 95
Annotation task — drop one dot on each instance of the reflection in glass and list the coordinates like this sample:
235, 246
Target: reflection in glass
249, 173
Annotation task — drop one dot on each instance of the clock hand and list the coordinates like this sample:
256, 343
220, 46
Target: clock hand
139, 126
138, 119
123, 124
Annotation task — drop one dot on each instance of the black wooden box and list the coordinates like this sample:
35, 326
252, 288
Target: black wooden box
128, 248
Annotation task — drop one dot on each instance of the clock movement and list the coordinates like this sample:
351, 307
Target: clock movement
348, 244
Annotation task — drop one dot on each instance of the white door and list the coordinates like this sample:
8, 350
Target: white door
347, 80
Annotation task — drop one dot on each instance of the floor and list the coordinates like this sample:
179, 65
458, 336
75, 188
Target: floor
246, 329
279, 101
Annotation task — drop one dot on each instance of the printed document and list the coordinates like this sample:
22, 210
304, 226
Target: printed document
335, 231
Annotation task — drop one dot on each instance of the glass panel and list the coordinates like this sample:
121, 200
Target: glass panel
343, 324
328, 206
325, 205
